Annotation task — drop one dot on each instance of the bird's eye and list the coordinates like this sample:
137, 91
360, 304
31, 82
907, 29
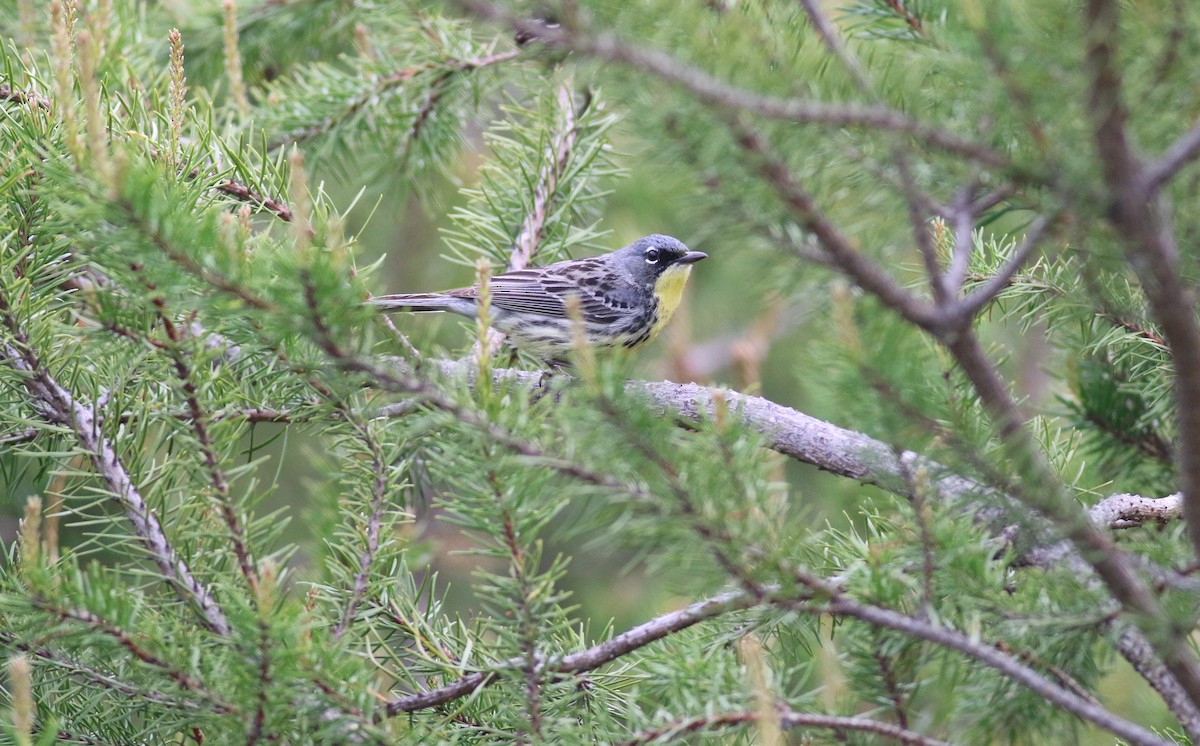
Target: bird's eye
651, 256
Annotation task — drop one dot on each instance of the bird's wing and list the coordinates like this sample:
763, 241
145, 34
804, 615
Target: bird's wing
543, 292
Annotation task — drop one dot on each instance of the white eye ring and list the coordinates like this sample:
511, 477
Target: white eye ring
651, 256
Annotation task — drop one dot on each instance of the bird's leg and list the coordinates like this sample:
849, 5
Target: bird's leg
557, 367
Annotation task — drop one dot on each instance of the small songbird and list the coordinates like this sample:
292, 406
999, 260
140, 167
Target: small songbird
625, 298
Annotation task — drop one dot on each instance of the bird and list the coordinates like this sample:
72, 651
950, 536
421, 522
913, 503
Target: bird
625, 298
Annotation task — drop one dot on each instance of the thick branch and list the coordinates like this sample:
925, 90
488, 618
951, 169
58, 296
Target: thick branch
838, 450
1141, 221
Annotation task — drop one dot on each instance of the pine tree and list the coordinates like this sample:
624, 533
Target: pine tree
957, 232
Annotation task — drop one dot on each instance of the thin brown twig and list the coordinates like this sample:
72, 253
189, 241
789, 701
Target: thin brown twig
199, 422
241, 192
8, 93
909, 17
585, 660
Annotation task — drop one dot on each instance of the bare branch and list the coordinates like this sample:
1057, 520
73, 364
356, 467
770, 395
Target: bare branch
840, 451
1127, 511
1181, 152
1136, 649
962, 217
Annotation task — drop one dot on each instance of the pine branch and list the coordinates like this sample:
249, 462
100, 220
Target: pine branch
837, 450
559, 148
385, 84
585, 660
857, 456
558, 154
124, 639
718, 93
974, 302
366, 558
57, 406
101, 680
837, 604
952, 328
1086, 709
788, 718
200, 428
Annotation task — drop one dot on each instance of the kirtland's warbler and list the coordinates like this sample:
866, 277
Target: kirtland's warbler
625, 298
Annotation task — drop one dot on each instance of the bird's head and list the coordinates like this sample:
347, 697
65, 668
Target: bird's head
649, 258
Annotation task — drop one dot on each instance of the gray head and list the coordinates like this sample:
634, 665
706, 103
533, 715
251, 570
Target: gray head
647, 258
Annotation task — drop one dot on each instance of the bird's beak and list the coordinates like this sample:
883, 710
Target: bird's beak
691, 257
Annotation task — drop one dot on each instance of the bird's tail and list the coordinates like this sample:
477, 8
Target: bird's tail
414, 302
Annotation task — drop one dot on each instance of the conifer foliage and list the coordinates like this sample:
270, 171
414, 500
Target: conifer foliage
962, 230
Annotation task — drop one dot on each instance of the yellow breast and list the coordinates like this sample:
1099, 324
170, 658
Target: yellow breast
669, 291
